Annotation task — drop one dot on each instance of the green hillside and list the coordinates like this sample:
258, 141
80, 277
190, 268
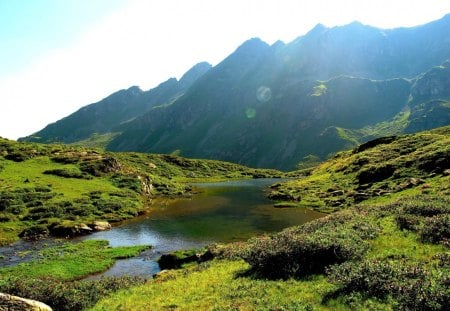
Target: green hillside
379, 169
389, 251
65, 190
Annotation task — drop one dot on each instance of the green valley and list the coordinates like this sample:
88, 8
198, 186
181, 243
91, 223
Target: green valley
307, 175
386, 252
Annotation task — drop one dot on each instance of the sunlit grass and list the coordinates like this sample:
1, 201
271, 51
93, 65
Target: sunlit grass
395, 243
71, 261
30, 172
219, 286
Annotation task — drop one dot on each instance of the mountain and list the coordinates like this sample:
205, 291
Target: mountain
273, 105
105, 116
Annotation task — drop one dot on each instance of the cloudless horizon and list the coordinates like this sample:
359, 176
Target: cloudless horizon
58, 56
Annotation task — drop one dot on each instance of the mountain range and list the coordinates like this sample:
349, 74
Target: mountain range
277, 105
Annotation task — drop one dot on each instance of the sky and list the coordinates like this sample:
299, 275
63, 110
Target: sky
59, 55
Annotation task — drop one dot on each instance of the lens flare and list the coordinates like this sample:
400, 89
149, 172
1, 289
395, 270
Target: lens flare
263, 94
250, 113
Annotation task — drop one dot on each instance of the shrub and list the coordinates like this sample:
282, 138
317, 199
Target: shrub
296, 255
130, 182
407, 222
66, 172
412, 286
436, 229
34, 232
427, 207
308, 249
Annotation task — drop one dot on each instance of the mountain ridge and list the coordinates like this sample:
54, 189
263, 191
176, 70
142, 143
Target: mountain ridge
271, 105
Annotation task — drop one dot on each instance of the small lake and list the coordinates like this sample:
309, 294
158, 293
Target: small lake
221, 212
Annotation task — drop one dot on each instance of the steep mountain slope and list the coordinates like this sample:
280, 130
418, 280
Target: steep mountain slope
108, 114
271, 133
271, 106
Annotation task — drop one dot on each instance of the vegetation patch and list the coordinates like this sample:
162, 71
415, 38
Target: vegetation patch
415, 287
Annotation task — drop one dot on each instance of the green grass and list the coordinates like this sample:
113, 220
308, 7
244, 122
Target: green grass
218, 285
71, 261
32, 170
396, 243
54, 277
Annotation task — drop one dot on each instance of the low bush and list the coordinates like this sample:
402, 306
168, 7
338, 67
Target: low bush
297, 255
67, 173
130, 182
426, 206
407, 222
436, 230
414, 287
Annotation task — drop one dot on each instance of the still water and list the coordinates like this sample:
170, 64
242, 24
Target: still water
221, 212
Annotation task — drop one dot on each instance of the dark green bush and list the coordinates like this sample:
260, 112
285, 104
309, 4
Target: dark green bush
296, 255
130, 182
308, 249
35, 232
75, 295
100, 167
17, 156
426, 207
436, 229
407, 222
412, 286
66, 172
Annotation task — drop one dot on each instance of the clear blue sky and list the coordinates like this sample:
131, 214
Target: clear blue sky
59, 55
30, 28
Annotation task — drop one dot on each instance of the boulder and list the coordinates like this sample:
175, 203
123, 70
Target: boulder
101, 225
15, 303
